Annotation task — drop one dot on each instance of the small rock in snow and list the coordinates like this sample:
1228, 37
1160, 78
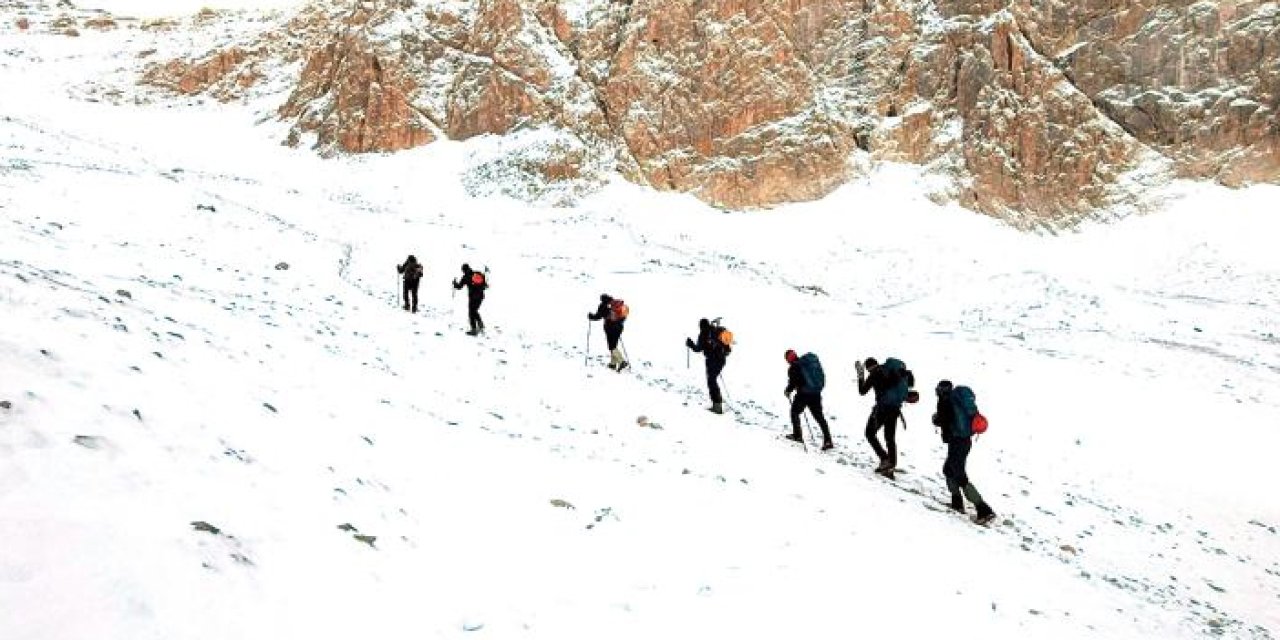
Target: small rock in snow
282, 266
201, 525
369, 540
472, 625
124, 293
5, 404
88, 442
268, 405
563, 504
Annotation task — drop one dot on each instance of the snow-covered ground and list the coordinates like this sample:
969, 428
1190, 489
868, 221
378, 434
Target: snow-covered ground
195, 443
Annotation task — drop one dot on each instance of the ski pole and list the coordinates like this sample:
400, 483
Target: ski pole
587, 355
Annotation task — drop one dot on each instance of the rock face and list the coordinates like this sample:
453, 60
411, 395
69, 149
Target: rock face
1199, 81
221, 73
1039, 111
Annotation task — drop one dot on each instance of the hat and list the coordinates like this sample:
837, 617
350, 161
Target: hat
790, 355
871, 363
466, 268
604, 297
944, 386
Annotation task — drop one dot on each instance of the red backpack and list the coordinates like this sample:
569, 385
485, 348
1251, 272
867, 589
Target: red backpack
618, 310
477, 278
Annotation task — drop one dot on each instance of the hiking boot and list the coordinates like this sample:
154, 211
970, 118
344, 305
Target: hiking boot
888, 473
622, 365
473, 332
957, 503
985, 515
827, 446
884, 464
795, 437
716, 407
612, 366
406, 306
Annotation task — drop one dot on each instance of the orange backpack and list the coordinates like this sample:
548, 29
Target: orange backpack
477, 278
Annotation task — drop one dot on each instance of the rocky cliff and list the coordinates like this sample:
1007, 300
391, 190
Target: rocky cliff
1039, 111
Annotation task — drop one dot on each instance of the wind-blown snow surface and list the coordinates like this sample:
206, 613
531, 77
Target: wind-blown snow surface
160, 372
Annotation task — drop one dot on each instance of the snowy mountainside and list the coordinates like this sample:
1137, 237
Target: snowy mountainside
219, 424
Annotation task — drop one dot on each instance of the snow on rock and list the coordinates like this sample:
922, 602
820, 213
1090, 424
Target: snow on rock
196, 443
1063, 114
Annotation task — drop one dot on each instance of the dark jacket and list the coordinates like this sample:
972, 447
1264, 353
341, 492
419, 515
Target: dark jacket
795, 381
474, 291
878, 380
949, 423
602, 313
944, 416
709, 345
412, 270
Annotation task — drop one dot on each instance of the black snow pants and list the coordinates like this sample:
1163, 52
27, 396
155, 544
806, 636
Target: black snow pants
886, 417
812, 402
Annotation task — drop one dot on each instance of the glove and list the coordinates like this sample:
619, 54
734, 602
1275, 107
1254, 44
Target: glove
590, 317
688, 342
857, 366
787, 394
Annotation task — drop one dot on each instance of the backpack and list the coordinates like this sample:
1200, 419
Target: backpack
722, 338
969, 421
811, 373
477, 278
902, 380
618, 310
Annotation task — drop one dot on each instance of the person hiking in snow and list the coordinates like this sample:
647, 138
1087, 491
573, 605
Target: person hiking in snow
476, 283
805, 378
954, 419
412, 270
892, 383
716, 353
614, 313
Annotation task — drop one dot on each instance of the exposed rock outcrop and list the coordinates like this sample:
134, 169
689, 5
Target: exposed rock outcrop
222, 74
1039, 112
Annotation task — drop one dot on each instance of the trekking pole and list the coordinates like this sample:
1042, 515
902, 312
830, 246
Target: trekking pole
803, 445
809, 426
625, 356
726, 387
587, 355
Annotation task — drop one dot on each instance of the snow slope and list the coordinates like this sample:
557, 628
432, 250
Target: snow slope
194, 438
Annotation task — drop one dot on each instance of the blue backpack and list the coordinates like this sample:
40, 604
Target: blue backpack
965, 406
902, 379
811, 373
